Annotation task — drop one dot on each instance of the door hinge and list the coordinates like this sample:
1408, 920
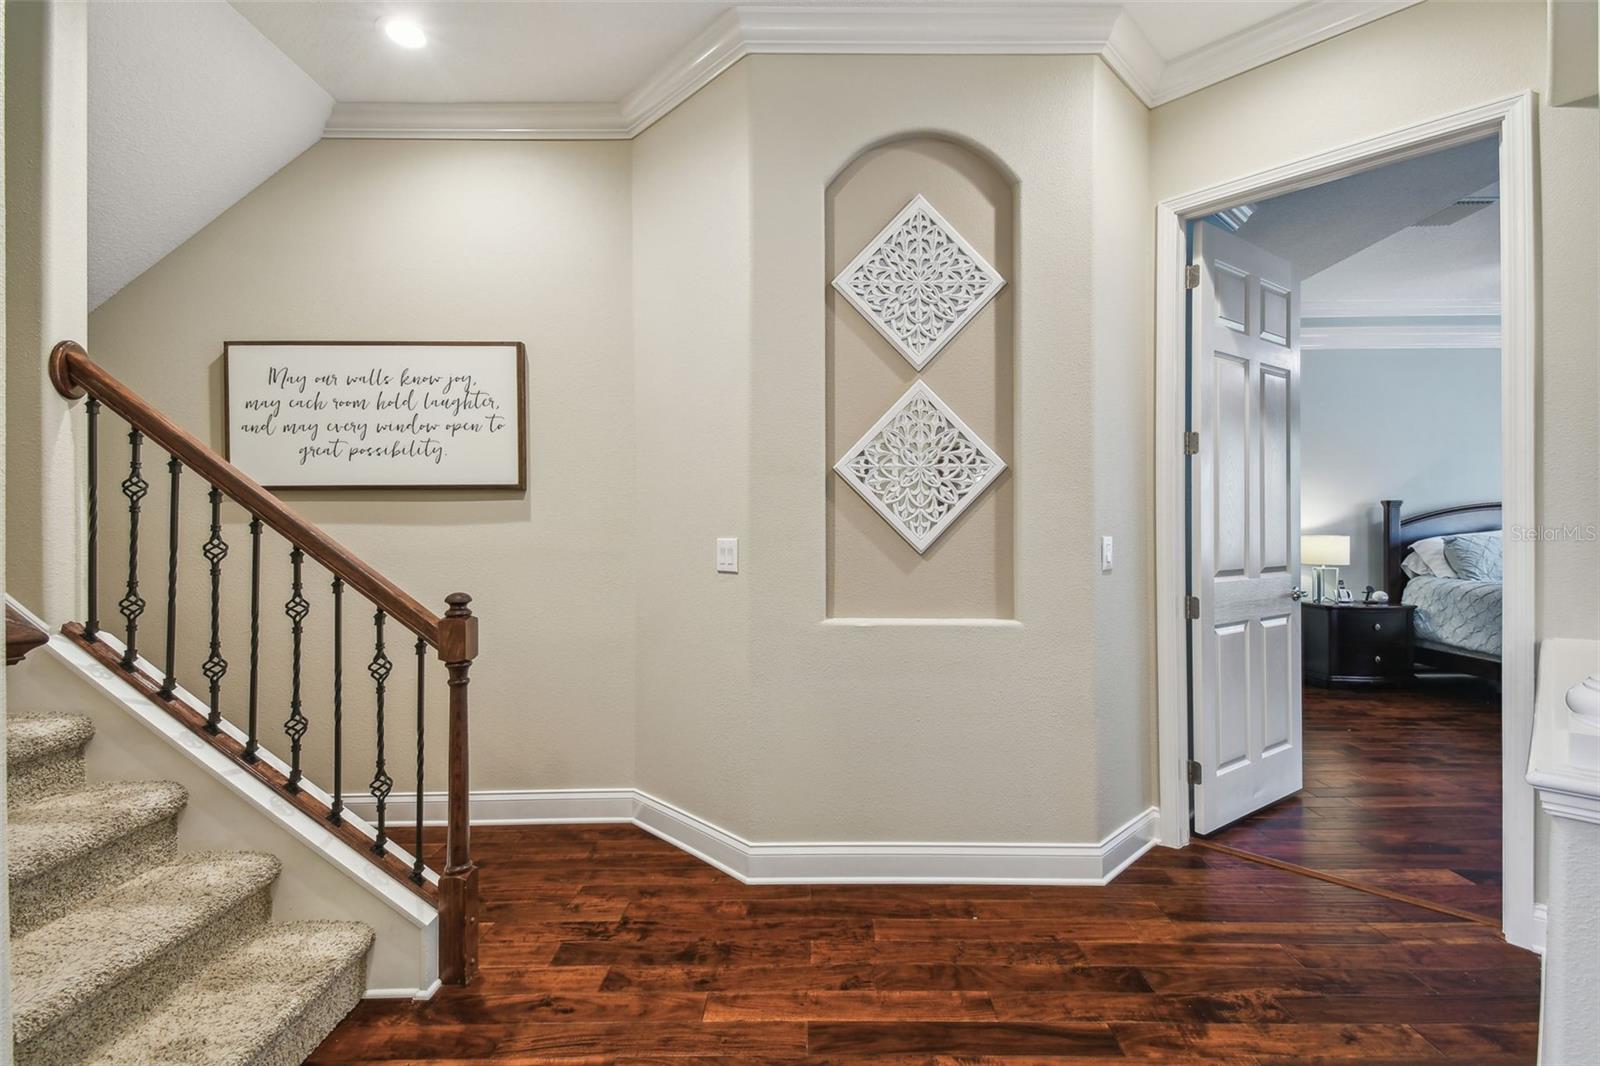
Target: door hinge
1194, 772
1191, 442
1191, 276
1191, 608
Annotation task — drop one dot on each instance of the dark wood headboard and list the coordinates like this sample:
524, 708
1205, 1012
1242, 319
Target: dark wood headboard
1400, 533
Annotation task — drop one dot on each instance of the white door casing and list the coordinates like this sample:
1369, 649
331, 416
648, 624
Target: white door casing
1245, 528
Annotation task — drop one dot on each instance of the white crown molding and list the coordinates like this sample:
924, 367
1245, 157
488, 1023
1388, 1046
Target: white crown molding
1081, 28
798, 863
1370, 325
1299, 27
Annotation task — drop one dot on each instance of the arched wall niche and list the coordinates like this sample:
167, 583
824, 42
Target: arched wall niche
969, 571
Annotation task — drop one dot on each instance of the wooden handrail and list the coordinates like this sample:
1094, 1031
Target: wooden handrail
73, 373
454, 637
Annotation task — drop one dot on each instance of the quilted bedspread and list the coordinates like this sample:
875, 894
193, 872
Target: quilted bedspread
1462, 615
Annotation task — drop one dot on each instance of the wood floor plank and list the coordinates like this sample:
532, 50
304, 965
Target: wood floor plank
1402, 792
1188, 957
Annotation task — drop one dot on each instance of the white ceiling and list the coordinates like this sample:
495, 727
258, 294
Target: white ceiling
1318, 227
1453, 269
561, 51
192, 105
478, 52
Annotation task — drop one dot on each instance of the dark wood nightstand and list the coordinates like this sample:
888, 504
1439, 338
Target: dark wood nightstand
1355, 644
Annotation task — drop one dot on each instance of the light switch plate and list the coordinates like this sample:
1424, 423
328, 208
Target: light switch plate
1105, 555
727, 555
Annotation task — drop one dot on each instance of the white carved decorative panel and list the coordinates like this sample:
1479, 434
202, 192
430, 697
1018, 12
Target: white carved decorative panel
918, 282
920, 466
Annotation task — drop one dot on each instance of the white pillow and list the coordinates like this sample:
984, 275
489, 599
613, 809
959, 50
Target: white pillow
1413, 566
1431, 552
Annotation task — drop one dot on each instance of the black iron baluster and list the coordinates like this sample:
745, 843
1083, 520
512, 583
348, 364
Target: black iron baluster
422, 662
382, 783
132, 604
215, 550
255, 633
335, 814
91, 628
169, 683
297, 608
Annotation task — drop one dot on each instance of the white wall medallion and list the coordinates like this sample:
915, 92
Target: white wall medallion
918, 282
920, 466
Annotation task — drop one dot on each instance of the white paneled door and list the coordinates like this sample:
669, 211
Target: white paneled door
1244, 528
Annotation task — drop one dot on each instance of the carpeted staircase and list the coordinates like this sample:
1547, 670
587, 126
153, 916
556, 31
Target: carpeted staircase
125, 951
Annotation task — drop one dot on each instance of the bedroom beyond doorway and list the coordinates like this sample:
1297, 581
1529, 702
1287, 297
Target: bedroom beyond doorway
1346, 547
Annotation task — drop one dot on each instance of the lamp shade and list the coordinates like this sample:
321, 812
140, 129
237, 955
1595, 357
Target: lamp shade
1325, 550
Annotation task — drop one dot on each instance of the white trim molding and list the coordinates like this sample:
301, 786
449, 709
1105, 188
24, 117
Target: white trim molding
1512, 118
1358, 325
1084, 27
863, 862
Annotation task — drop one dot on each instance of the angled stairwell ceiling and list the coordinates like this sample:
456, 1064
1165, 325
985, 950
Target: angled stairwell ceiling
190, 108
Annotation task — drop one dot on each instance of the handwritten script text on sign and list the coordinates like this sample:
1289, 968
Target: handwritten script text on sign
380, 415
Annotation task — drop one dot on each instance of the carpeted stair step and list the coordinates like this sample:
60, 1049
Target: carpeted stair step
268, 1003
69, 848
83, 979
44, 755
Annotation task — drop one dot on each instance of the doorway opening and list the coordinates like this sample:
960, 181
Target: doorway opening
1349, 362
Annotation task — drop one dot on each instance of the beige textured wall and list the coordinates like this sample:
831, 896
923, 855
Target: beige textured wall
47, 216
691, 329
872, 571
1123, 322
1414, 65
415, 240
963, 731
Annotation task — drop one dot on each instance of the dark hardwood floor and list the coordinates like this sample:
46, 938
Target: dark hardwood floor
1402, 793
602, 944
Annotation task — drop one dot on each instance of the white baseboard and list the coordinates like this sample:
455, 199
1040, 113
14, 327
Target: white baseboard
797, 863
1541, 918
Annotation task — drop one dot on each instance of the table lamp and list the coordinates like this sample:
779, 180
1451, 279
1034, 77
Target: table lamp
1324, 553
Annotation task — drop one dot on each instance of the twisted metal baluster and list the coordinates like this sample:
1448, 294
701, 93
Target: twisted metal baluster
422, 660
91, 628
255, 634
297, 608
215, 550
131, 605
335, 812
382, 783
169, 683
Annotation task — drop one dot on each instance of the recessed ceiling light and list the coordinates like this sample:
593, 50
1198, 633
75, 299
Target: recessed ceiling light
405, 33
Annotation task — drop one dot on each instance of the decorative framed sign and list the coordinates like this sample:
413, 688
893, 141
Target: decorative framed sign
379, 414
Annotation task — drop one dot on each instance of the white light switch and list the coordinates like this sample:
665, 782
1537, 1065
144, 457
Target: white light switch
1105, 555
727, 555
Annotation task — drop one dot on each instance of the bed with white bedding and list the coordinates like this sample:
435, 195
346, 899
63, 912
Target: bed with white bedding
1447, 563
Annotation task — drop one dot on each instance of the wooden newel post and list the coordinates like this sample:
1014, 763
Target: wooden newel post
458, 885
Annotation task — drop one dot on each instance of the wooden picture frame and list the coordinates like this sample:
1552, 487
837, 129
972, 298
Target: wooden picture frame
257, 461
